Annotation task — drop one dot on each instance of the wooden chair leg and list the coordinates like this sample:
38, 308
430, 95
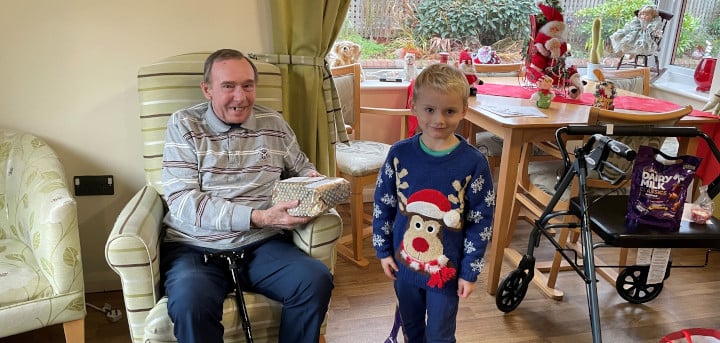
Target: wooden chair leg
557, 259
75, 331
354, 254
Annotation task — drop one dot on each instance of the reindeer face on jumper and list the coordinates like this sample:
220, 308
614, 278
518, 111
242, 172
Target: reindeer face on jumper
429, 213
422, 238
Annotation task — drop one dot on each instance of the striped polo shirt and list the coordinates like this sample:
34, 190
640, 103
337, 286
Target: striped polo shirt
214, 175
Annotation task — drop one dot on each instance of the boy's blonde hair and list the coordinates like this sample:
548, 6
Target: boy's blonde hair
444, 78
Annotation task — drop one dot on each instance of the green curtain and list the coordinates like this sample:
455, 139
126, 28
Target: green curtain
303, 33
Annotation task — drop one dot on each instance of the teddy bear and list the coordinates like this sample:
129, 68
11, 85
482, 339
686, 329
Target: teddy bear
345, 53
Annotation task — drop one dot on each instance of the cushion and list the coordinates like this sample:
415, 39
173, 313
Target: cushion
20, 277
345, 87
359, 158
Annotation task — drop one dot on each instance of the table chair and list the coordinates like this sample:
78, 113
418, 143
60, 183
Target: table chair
536, 180
132, 247
360, 160
636, 80
666, 17
41, 274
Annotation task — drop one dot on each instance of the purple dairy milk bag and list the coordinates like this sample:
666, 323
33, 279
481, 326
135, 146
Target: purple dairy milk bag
658, 189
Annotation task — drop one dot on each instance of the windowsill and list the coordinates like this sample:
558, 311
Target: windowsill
680, 81
381, 85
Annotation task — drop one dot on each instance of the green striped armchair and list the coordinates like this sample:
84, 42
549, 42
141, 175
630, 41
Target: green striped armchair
41, 279
132, 248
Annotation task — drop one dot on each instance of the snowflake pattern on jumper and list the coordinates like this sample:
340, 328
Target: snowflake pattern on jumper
478, 265
477, 185
376, 211
469, 246
389, 199
378, 240
475, 216
490, 198
389, 170
387, 227
486, 234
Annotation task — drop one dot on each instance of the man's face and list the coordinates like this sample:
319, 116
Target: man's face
231, 90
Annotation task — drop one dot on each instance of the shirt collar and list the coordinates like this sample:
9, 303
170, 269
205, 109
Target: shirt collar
219, 126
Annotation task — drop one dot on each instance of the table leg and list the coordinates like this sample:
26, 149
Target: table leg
507, 176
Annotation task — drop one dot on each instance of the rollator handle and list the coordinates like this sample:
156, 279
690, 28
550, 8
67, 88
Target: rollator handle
632, 130
617, 147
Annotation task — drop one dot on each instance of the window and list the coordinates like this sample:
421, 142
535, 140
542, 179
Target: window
387, 28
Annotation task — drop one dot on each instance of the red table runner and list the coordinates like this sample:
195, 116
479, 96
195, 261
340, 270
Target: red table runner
626, 102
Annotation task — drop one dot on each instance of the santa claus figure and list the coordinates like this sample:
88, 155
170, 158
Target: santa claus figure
465, 64
548, 57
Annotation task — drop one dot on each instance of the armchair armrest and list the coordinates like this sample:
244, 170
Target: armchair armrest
318, 237
132, 252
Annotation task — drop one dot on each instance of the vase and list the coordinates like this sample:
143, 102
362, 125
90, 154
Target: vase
704, 73
590, 71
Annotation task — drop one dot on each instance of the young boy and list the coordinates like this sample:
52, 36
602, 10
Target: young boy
434, 202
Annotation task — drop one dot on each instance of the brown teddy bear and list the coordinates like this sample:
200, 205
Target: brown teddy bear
343, 53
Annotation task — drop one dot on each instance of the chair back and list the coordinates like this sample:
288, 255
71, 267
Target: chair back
600, 116
347, 83
636, 80
173, 83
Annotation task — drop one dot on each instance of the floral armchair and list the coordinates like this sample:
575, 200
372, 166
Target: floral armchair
132, 248
41, 279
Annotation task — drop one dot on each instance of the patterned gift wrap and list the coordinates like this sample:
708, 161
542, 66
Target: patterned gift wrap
316, 194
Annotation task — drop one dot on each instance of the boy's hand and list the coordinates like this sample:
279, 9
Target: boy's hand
465, 288
389, 267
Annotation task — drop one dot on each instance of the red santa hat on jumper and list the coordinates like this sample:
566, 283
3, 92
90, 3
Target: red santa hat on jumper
431, 203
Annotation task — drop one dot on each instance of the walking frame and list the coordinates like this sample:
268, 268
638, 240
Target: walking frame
609, 225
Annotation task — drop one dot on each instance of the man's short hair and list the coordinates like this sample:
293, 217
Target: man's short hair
222, 55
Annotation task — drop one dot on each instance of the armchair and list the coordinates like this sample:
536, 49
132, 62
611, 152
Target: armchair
41, 279
132, 247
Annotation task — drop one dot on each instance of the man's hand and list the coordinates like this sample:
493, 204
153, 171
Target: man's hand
278, 217
389, 267
465, 288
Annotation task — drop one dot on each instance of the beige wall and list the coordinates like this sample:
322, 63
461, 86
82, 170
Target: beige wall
68, 75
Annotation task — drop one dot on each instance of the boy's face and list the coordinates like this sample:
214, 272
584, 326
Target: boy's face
438, 113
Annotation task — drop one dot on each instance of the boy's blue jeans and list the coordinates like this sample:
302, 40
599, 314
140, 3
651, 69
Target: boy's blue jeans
276, 268
441, 309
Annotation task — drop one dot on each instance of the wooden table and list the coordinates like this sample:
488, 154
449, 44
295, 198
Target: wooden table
516, 131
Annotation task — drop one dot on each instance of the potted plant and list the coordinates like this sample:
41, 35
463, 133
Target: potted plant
595, 50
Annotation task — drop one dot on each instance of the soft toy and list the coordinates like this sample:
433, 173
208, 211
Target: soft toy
486, 55
548, 54
466, 66
410, 68
543, 97
344, 53
713, 104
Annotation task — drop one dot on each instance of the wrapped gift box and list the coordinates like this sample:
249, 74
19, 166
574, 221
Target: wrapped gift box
316, 194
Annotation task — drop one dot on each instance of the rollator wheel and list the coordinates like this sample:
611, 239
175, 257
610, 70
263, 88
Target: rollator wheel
512, 290
631, 285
